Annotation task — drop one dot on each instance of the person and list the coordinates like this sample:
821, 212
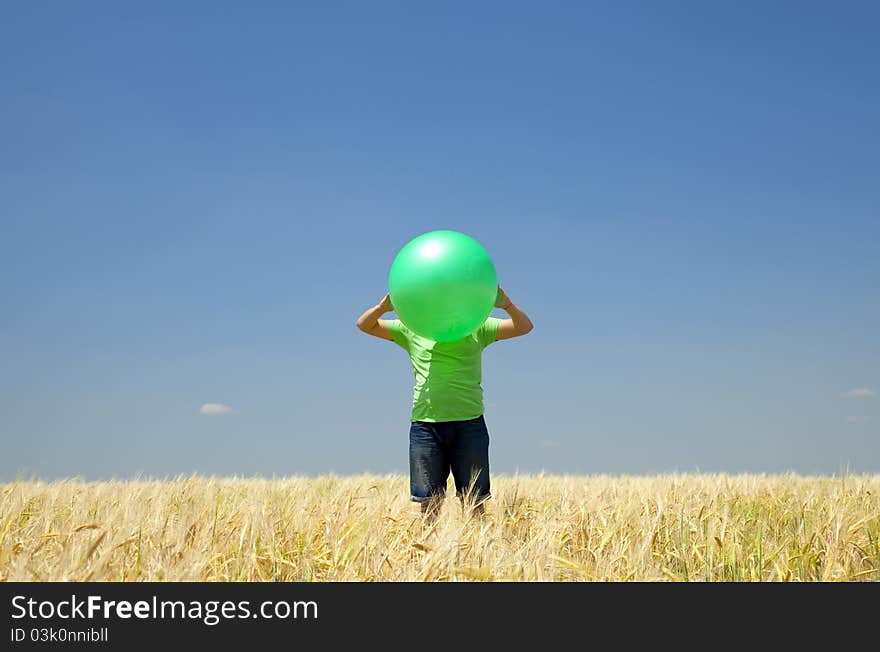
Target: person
447, 428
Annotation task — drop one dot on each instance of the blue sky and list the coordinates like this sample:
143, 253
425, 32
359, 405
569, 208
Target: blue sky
198, 201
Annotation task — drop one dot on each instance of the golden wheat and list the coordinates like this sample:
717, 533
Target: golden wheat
364, 528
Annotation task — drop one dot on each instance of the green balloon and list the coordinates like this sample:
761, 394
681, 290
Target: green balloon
443, 285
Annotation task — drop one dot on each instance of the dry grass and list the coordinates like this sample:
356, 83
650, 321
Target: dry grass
671, 527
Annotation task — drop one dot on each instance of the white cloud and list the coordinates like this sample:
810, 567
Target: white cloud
860, 392
214, 408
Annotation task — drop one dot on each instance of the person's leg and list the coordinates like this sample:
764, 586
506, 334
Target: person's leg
469, 459
428, 467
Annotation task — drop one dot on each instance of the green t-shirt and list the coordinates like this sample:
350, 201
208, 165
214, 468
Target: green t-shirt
448, 374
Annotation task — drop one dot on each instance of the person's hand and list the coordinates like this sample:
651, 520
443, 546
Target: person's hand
501, 299
386, 304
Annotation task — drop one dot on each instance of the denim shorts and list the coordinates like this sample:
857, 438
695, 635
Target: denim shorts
436, 448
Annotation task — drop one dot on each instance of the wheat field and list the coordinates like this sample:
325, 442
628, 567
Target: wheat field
690, 527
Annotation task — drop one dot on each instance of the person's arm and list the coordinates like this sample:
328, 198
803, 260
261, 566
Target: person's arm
519, 322
370, 323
